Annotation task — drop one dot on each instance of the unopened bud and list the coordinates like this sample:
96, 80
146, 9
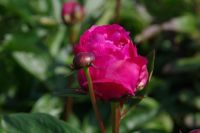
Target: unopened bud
72, 12
83, 59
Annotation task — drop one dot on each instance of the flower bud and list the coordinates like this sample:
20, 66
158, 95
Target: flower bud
72, 12
83, 59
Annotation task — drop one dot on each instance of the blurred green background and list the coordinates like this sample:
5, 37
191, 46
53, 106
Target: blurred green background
35, 55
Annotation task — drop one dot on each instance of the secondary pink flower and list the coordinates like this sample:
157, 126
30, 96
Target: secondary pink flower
118, 70
72, 12
195, 131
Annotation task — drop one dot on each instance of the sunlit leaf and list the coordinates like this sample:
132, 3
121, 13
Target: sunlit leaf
188, 64
22, 42
88, 127
162, 122
49, 105
140, 114
190, 98
184, 24
91, 6
36, 64
108, 13
56, 39
73, 121
56, 5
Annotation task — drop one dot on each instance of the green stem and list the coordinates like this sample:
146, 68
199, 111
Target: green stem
117, 10
116, 117
73, 34
93, 99
68, 107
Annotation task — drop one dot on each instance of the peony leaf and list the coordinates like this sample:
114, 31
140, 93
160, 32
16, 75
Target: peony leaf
36, 64
73, 121
161, 123
94, 7
42, 105
25, 42
35, 123
139, 115
184, 24
187, 64
55, 40
189, 98
70, 93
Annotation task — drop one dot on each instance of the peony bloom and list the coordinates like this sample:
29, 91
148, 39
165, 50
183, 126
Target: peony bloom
117, 70
195, 131
72, 12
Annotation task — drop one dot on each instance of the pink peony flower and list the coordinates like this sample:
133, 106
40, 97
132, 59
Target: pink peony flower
118, 70
72, 12
195, 131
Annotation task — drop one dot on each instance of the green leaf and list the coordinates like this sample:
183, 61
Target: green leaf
138, 19
108, 13
22, 42
73, 121
70, 93
56, 39
190, 98
88, 126
21, 9
1, 129
188, 64
93, 6
140, 114
40, 6
35, 123
42, 105
162, 122
185, 24
56, 4
36, 64
167, 8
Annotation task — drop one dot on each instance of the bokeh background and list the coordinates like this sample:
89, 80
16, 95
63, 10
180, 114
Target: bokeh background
36, 53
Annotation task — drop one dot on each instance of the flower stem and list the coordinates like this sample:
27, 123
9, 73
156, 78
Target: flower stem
73, 34
93, 99
116, 116
117, 10
68, 107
